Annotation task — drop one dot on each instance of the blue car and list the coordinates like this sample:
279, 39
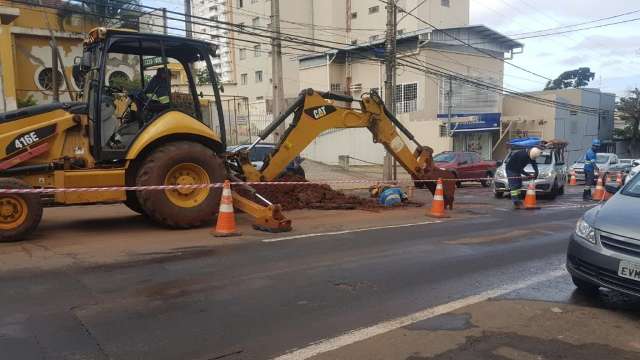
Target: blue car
259, 153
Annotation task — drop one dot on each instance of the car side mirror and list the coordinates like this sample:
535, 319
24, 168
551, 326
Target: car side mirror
612, 188
498, 163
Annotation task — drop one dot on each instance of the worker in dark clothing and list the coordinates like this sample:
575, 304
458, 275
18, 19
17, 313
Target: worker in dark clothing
154, 98
515, 169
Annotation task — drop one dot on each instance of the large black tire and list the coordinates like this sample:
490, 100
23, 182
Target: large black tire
498, 194
486, 183
157, 204
20, 214
554, 191
132, 203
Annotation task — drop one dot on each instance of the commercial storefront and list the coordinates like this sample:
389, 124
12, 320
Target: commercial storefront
473, 132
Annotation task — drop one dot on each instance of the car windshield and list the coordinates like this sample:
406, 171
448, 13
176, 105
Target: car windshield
259, 153
544, 159
633, 187
601, 159
445, 157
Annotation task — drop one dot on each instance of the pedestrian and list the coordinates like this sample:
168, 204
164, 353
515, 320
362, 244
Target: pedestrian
515, 169
590, 168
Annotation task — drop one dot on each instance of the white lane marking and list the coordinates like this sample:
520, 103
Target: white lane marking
354, 336
301, 236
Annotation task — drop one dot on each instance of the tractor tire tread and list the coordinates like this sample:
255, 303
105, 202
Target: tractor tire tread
34, 211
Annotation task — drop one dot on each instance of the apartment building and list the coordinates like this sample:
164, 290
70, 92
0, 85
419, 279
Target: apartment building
246, 59
442, 112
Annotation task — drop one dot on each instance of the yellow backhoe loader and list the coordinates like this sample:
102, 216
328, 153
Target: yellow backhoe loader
133, 128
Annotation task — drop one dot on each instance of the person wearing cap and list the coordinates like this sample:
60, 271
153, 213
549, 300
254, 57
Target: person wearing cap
590, 168
515, 169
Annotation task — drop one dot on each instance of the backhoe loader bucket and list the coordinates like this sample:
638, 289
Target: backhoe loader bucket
266, 218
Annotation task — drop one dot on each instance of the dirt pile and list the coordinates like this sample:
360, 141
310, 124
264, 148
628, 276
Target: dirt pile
311, 196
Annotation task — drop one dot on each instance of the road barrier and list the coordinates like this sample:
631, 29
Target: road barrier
216, 185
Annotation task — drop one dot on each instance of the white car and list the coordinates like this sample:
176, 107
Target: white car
632, 173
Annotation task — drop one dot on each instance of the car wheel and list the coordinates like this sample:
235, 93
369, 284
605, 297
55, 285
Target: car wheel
554, 191
585, 286
561, 191
498, 194
487, 183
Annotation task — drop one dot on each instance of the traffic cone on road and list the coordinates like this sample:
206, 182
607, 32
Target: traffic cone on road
530, 198
573, 181
437, 205
598, 194
226, 224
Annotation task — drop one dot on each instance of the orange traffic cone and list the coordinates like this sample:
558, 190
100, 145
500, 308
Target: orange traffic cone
437, 205
598, 194
530, 198
226, 224
573, 181
619, 179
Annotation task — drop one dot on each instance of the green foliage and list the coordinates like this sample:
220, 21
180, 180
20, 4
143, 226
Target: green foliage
202, 76
28, 101
629, 111
571, 79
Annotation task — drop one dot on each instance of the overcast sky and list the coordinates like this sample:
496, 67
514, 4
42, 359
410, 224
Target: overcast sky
612, 52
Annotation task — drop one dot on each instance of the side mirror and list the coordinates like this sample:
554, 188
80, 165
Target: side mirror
499, 163
612, 188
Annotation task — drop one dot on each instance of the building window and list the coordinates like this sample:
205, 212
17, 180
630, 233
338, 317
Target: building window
445, 3
354, 15
573, 112
256, 50
242, 54
443, 131
213, 8
373, 37
45, 79
374, 9
255, 21
259, 76
258, 98
336, 88
214, 18
243, 79
254, 1
573, 127
354, 42
118, 77
240, 3
406, 98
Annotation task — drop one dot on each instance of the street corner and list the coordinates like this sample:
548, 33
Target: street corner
507, 329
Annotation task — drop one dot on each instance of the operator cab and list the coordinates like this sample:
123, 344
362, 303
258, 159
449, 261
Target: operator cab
131, 79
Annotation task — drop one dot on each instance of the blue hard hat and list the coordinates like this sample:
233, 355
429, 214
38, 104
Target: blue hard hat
595, 142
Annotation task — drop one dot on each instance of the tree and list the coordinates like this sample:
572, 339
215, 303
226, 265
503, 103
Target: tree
629, 110
571, 79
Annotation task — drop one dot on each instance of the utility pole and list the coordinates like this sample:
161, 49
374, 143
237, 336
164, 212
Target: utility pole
390, 76
276, 67
449, 98
187, 18
54, 73
164, 20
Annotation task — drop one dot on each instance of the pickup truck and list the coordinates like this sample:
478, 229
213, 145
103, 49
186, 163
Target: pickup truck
466, 166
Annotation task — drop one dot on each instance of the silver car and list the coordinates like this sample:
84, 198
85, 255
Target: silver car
552, 175
604, 250
603, 160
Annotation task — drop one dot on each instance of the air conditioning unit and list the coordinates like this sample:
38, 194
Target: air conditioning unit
356, 87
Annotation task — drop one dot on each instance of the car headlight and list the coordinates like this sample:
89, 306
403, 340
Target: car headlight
500, 173
585, 231
545, 174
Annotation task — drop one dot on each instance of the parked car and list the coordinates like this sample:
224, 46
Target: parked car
603, 160
466, 166
604, 250
259, 153
552, 174
633, 172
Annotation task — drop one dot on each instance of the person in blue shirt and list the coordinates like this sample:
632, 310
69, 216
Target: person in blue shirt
590, 168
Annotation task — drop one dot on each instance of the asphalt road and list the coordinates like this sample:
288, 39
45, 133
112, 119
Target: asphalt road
259, 300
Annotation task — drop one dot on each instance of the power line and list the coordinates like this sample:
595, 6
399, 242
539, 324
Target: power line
580, 29
425, 69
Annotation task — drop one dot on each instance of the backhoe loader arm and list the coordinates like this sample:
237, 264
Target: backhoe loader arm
315, 113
